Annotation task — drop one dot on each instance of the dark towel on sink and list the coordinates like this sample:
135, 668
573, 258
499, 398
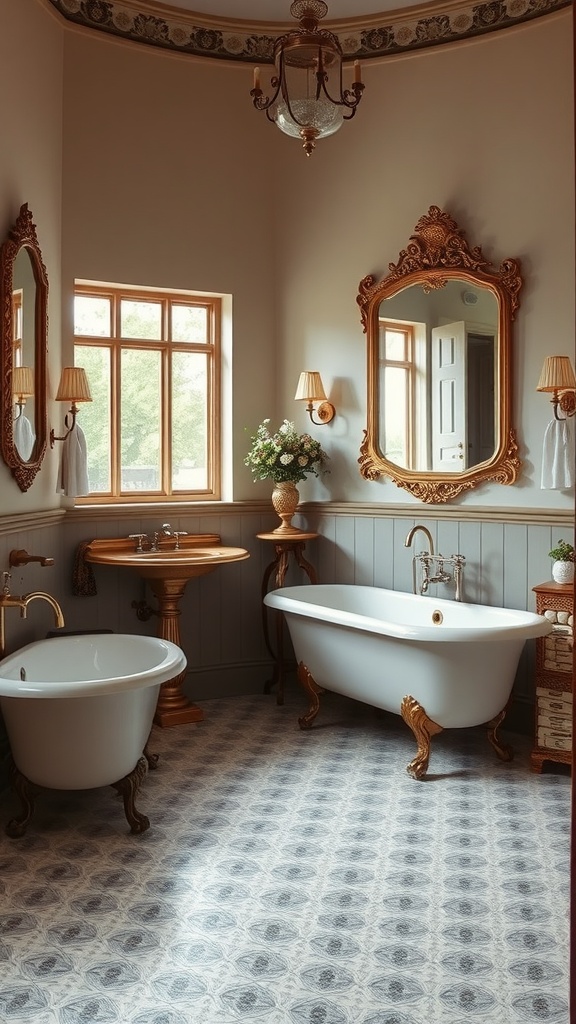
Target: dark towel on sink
83, 580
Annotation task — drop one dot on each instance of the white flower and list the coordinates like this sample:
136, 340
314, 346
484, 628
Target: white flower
286, 459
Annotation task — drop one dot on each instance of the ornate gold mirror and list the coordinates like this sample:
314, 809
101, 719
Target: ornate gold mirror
24, 302
439, 329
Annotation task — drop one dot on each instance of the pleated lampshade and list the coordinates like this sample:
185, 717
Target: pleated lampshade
73, 386
557, 374
310, 387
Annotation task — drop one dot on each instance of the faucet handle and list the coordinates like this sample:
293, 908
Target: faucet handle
178, 534
6, 577
139, 537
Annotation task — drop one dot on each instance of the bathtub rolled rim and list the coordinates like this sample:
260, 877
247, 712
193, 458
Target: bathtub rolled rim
172, 664
518, 625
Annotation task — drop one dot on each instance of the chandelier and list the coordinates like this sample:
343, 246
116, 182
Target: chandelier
308, 101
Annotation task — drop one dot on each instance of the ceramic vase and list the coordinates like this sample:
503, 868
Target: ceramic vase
563, 572
285, 498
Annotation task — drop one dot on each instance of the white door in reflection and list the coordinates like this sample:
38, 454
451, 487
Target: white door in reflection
462, 396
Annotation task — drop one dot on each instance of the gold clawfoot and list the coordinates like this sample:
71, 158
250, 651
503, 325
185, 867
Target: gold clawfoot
128, 788
504, 751
313, 691
423, 728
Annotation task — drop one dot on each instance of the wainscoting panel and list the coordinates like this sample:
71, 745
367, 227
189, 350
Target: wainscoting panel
221, 623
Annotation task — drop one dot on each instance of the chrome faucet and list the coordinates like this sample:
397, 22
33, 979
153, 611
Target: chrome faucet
434, 566
7, 601
422, 529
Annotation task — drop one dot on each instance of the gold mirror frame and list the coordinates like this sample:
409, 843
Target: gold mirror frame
437, 253
22, 236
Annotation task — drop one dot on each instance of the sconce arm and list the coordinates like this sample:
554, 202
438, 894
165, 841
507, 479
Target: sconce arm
325, 412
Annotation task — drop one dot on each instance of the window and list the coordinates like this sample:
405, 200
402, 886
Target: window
153, 362
397, 390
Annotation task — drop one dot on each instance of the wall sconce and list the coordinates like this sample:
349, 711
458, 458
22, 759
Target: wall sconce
558, 378
22, 385
73, 388
310, 389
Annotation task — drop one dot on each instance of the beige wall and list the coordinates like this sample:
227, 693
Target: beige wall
31, 69
482, 129
169, 177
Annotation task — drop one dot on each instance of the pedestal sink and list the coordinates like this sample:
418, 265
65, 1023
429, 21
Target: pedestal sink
168, 571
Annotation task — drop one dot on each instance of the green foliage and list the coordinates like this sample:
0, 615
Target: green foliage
563, 552
284, 456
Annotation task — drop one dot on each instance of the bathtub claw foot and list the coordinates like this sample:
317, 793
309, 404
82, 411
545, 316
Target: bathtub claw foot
26, 791
424, 729
503, 750
128, 788
313, 691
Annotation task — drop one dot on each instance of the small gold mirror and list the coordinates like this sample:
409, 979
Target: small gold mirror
23, 347
439, 329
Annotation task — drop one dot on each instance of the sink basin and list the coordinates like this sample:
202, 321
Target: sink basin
169, 563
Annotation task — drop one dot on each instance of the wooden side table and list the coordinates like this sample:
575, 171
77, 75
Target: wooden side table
553, 719
284, 548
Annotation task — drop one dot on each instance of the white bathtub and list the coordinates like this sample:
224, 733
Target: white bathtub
79, 709
440, 664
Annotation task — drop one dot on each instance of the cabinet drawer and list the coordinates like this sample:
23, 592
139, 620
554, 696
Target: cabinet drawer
546, 691
554, 740
558, 723
556, 705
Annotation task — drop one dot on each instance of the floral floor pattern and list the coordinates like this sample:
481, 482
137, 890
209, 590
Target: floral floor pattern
294, 877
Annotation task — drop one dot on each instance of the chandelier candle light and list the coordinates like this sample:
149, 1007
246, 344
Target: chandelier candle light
286, 458
309, 100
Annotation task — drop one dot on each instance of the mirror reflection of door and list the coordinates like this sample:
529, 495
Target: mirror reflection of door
462, 384
448, 398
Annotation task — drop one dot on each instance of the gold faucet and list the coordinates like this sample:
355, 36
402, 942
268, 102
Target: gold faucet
423, 529
7, 601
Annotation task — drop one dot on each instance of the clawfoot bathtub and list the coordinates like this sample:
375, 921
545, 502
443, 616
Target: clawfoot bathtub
78, 712
439, 664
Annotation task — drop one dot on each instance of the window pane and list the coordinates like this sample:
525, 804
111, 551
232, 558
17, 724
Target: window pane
396, 345
140, 319
92, 316
395, 415
189, 323
140, 442
189, 421
94, 416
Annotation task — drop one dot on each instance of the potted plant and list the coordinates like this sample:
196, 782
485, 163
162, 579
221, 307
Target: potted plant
563, 567
286, 458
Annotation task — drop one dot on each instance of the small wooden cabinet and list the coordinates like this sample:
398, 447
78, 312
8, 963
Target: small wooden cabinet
553, 706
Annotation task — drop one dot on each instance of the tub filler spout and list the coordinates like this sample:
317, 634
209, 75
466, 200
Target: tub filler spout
40, 595
8, 601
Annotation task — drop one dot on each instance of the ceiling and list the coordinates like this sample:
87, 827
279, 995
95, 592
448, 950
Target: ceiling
245, 30
270, 11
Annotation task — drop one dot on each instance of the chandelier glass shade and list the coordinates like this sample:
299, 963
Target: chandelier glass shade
308, 98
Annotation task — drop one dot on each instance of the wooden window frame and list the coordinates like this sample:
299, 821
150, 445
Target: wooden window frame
409, 366
115, 344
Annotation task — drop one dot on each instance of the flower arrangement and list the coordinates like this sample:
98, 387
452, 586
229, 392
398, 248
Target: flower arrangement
284, 457
563, 552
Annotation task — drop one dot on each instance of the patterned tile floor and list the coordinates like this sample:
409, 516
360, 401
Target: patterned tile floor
294, 877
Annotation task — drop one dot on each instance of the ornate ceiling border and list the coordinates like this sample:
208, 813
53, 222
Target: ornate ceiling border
203, 36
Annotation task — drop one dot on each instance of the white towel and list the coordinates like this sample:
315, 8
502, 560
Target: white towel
558, 469
24, 437
73, 475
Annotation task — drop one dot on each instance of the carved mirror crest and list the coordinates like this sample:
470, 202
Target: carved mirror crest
23, 350
439, 332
